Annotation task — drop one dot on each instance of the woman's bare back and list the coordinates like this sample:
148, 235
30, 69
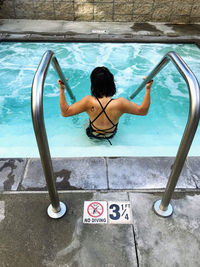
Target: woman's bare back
101, 118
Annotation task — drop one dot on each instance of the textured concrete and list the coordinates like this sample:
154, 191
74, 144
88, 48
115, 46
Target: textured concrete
11, 173
30, 238
176, 11
145, 173
174, 241
77, 173
193, 164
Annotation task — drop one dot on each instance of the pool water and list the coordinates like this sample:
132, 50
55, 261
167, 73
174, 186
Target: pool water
157, 134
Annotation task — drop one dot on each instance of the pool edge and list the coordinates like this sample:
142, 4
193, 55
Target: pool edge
66, 31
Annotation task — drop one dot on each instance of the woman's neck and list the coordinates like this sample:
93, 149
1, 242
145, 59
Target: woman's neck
104, 97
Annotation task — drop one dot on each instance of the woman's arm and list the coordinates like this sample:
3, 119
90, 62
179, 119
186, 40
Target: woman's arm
133, 108
76, 108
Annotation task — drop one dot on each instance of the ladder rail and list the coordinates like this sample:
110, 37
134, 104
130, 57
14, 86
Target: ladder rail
57, 209
62, 77
165, 60
163, 207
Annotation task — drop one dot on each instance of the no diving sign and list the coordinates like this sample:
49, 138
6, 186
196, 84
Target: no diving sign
112, 212
95, 212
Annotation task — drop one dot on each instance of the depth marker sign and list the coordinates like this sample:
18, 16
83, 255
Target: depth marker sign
119, 212
95, 212
112, 212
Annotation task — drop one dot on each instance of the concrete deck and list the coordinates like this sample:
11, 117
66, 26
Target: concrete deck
30, 238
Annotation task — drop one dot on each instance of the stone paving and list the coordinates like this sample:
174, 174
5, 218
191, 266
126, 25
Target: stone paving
98, 173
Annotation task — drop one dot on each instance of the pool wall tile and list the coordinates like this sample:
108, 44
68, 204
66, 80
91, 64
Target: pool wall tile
142, 8
66, 6
145, 173
121, 8
11, 173
73, 174
123, 18
181, 11
103, 12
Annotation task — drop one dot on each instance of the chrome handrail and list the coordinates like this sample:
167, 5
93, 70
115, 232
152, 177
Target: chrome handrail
56, 209
163, 207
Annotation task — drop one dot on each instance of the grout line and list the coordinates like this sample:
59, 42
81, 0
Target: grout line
93, 6
113, 11
152, 9
106, 162
14, 9
137, 191
136, 249
99, 191
25, 171
171, 13
134, 236
133, 2
192, 6
54, 12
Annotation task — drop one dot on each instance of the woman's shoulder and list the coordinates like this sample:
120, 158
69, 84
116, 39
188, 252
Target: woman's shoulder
88, 98
121, 103
120, 100
92, 99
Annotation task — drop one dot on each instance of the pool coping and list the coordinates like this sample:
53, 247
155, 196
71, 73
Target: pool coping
134, 174
67, 31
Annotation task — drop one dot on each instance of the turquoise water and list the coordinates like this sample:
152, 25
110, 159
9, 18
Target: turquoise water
157, 134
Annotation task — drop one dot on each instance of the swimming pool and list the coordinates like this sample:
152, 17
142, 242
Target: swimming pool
157, 134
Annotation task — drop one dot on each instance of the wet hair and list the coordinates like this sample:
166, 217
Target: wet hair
102, 82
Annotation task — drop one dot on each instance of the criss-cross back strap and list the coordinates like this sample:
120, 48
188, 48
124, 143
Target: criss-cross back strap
103, 111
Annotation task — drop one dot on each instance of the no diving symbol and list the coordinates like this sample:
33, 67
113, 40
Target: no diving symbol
95, 209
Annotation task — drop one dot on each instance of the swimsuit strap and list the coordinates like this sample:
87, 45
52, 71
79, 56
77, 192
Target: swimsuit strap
103, 111
105, 130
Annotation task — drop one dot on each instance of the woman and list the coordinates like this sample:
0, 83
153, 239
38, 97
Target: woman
104, 112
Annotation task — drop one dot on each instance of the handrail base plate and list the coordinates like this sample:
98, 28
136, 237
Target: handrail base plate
57, 215
162, 213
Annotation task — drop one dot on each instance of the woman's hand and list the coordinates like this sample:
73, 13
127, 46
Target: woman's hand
61, 85
149, 84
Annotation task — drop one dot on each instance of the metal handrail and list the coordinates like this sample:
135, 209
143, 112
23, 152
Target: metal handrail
57, 209
163, 207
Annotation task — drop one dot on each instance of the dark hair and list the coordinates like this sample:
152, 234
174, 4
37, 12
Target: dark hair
102, 82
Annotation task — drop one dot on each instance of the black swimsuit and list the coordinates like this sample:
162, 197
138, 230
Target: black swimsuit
91, 132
